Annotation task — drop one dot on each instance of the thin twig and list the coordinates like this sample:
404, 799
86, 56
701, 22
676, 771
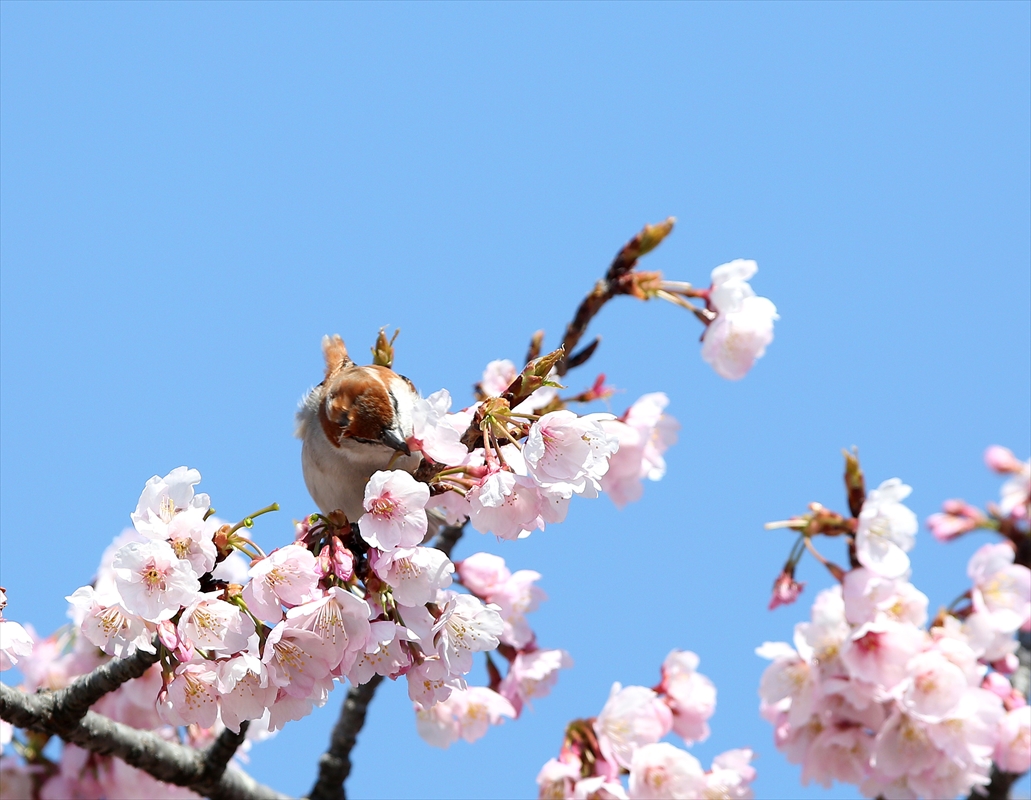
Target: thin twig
167, 761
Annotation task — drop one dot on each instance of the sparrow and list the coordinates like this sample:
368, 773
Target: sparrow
353, 424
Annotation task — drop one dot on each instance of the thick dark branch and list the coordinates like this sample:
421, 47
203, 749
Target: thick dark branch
218, 755
71, 703
448, 538
164, 760
335, 763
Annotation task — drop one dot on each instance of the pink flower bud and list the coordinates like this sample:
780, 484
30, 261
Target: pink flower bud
785, 590
1001, 459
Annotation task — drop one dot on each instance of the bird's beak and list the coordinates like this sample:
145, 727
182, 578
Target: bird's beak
395, 442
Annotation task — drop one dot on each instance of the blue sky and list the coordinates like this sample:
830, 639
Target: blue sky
193, 194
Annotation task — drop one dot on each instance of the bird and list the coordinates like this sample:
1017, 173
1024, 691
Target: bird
353, 424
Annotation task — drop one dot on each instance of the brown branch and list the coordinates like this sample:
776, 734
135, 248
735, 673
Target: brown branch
71, 703
167, 761
335, 763
617, 280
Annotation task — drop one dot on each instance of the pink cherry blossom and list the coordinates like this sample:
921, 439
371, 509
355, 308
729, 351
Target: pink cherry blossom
437, 725
340, 620
659, 771
245, 691
192, 696
395, 505
1002, 589
1015, 495
599, 787
482, 573
430, 683
152, 581
288, 576
1013, 751
690, 695
298, 661
515, 598
869, 596
731, 775
415, 575
569, 454
633, 717
466, 626
556, 778
879, 652
477, 708
15, 643
935, 686
163, 498
743, 327
644, 433
532, 675
213, 624
886, 530
192, 538
106, 624
505, 504
434, 435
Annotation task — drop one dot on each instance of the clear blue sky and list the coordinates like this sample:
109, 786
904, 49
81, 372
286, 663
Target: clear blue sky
193, 194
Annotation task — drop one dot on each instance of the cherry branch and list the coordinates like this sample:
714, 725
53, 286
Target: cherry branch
202, 771
73, 702
335, 763
618, 280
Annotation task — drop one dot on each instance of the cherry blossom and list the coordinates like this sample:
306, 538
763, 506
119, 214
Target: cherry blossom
192, 696
744, 322
163, 498
569, 454
288, 575
1002, 589
643, 433
465, 626
532, 675
507, 505
886, 530
415, 575
15, 643
152, 581
660, 770
340, 620
434, 435
633, 717
213, 624
105, 622
395, 505
245, 691
690, 695
1013, 751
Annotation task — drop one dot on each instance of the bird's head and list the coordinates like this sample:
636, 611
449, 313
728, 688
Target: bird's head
370, 404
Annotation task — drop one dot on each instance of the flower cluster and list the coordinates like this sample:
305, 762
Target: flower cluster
869, 696
468, 713
530, 454
52, 664
625, 739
